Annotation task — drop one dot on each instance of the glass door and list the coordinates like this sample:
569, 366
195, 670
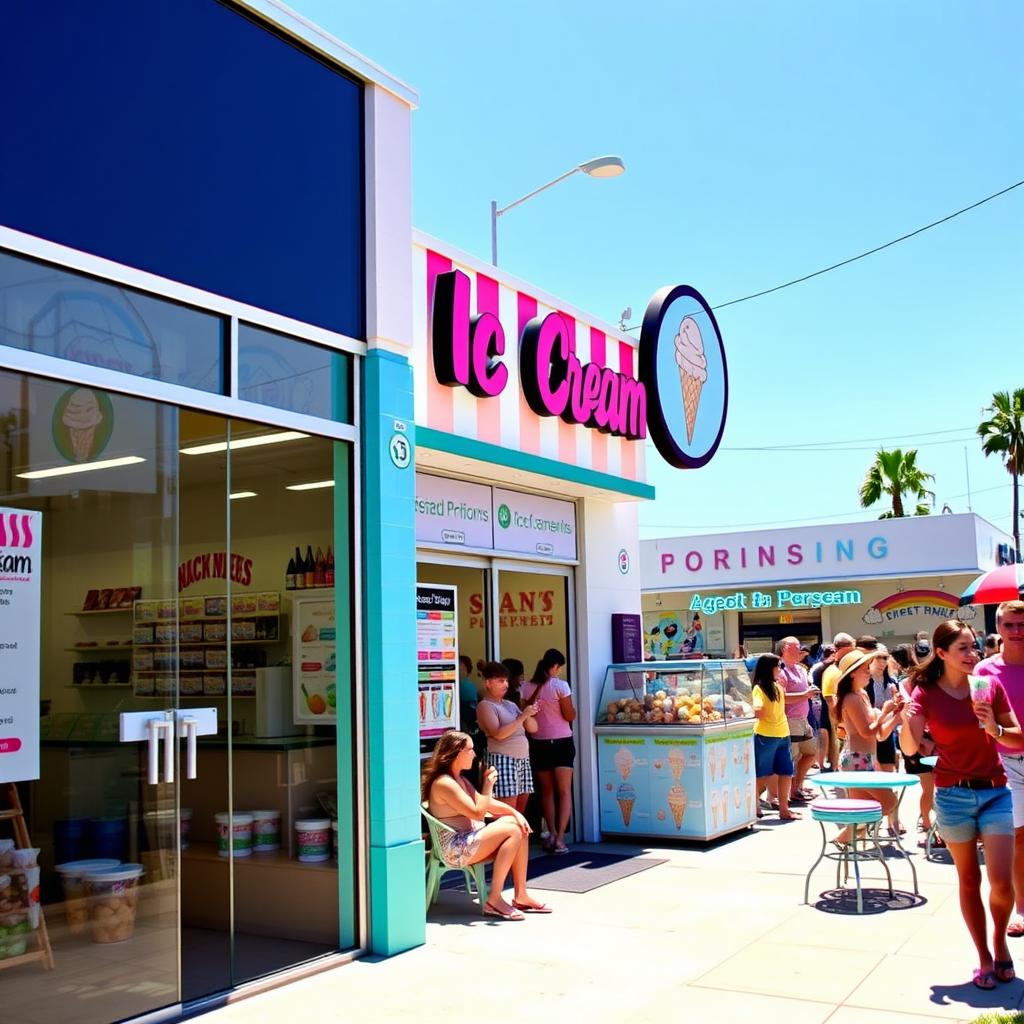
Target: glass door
98, 474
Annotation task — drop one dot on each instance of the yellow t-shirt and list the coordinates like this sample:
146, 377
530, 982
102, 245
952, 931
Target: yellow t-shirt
829, 681
775, 722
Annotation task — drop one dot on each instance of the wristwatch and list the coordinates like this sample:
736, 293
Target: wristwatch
999, 731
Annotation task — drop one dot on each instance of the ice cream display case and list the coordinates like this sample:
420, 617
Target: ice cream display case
675, 749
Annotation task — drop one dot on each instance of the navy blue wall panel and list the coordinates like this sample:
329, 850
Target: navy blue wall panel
182, 138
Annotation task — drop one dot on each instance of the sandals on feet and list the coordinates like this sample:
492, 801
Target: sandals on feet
529, 908
559, 849
983, 979
490, 910
1015, 929
1003, 970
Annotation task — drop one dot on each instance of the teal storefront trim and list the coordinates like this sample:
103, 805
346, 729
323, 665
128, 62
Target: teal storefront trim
470, 448
397, 920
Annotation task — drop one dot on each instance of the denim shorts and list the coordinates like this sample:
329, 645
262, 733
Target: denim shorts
961, 814
771, 756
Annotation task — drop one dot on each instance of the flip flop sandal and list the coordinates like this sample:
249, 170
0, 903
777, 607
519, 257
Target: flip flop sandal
1003, 970
560, 849
526, 908
1015, 929
985, 980
490, 910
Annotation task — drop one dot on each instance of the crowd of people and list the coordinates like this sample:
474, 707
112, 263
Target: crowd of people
955, 695
516, 734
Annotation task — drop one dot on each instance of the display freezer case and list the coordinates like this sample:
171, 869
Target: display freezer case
675, 749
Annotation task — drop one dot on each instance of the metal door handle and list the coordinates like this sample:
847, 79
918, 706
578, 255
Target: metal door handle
189, 726
155, 728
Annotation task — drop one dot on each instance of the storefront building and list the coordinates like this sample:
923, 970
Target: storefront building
889, 578
205, 322
232, 530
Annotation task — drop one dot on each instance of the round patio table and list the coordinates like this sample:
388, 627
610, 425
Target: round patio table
897, 782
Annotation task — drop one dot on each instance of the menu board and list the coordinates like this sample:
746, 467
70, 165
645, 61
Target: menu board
314, 661
21, 567
437, 658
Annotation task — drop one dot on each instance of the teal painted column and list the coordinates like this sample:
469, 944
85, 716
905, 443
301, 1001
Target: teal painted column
397, 918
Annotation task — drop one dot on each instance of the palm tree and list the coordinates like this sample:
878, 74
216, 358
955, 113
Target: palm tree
895, 473
1003, 434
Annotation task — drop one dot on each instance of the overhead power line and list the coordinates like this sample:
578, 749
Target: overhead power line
871, 252
863, 255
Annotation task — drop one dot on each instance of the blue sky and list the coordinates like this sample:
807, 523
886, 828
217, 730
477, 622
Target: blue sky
762, 141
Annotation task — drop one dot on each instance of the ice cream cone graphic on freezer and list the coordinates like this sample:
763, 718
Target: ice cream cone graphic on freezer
712, 764
746, 756
693, 370
714, 809
750, 799
626, 796
724, 804
624, 762
82, 416
723, 762
434, 698
676, 761
737, 798
677, 801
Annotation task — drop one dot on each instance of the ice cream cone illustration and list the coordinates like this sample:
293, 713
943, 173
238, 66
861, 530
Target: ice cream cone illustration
735, 755
737, 797
712, 764
677, 801
724, 803
750, 799
676, 760
723, 762
624, 763
434, 697
423, 705
447, 702
746, 758
714, 808
82, 416
626, 796
693, 370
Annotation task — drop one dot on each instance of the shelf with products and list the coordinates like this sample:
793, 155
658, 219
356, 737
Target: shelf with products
101, 645
81, 613
98, 686
310, 572
205, 643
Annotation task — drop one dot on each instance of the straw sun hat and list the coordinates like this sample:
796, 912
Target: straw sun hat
849, 663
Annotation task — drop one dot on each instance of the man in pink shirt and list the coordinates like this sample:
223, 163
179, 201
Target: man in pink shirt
796, 682
1008, 668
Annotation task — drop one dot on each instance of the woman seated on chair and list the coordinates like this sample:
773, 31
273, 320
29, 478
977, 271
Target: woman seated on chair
457, 803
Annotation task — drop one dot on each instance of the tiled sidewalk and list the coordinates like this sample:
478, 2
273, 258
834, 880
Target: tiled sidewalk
712, 934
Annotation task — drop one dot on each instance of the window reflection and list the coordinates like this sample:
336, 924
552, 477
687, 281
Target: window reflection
58, 313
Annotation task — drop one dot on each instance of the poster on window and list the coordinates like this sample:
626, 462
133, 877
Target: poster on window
21, 567
437, 659
314, 661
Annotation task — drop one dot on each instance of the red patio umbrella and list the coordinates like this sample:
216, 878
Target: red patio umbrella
995, 586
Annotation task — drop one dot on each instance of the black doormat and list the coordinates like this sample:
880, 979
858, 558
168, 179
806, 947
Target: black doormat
576, 871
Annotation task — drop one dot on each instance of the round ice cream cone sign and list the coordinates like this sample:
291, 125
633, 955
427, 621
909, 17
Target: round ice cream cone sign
683, 369
83, 420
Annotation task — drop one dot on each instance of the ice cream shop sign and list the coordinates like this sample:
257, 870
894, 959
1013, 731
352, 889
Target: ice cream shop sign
680, 398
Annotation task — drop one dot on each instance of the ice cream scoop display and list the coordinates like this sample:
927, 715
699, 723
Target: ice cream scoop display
674, 742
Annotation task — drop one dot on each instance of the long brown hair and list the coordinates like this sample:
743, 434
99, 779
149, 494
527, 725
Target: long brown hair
929, 672
446, 750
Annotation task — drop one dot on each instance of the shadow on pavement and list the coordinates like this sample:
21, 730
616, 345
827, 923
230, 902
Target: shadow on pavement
876, 901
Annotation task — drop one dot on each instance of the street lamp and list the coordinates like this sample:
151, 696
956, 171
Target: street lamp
600, 167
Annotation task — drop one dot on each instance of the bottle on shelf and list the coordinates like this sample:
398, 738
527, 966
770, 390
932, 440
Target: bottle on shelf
319, 568
300, 571
310, 567
329, 571
289, 576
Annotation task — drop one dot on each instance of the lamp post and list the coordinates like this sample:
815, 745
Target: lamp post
600, 167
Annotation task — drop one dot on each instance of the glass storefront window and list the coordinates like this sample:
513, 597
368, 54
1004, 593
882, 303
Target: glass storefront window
168, 587
71, 316
290, 374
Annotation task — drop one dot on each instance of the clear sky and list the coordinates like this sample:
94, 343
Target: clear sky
762, 141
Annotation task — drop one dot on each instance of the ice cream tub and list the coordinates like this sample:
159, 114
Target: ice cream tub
313, 839
76, 902
113, 896
234, 834
266, 831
